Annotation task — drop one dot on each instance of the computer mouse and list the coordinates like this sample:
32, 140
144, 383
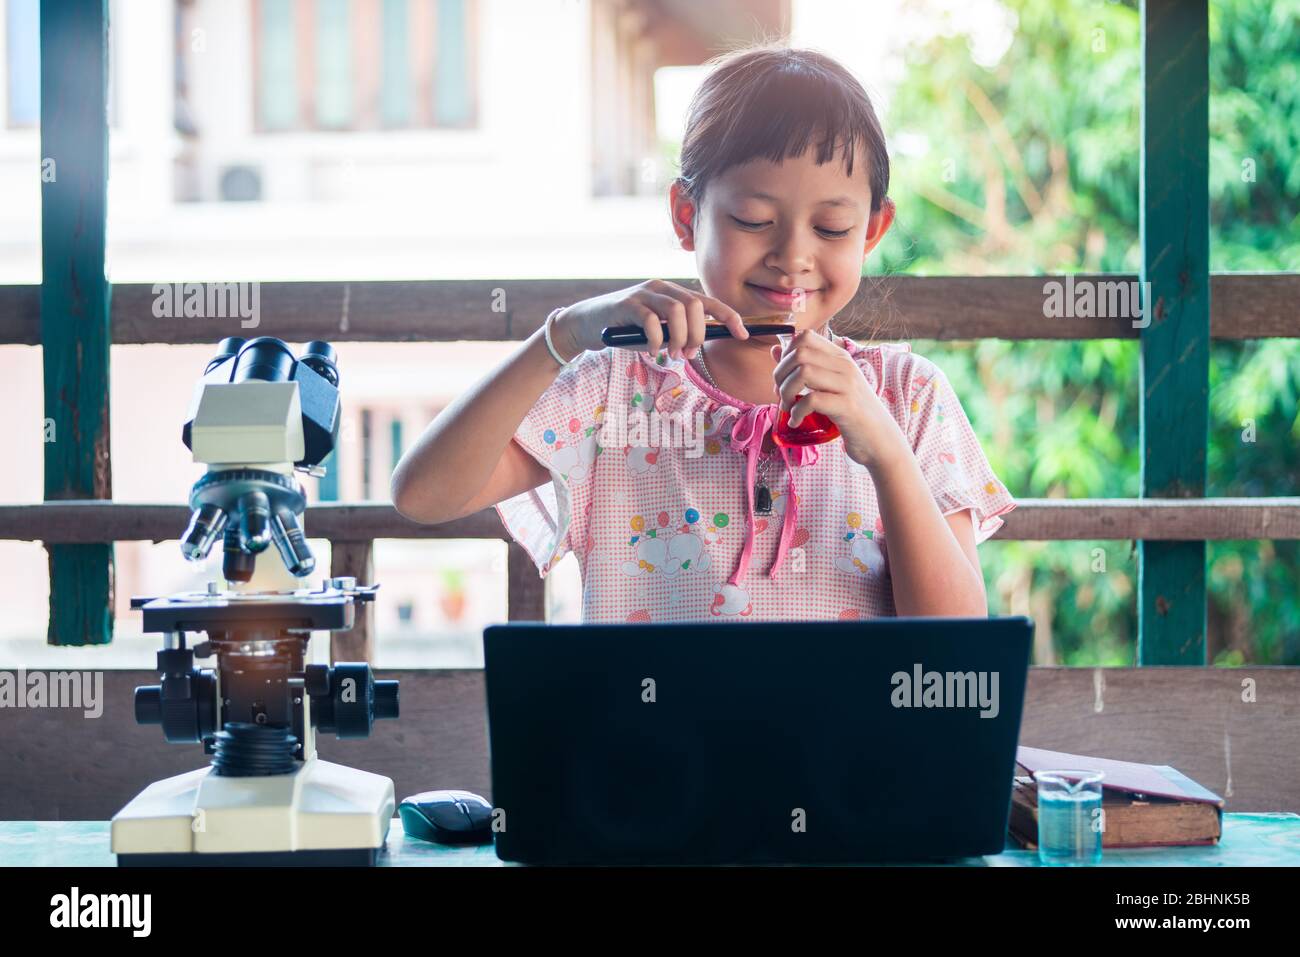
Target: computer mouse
447, 817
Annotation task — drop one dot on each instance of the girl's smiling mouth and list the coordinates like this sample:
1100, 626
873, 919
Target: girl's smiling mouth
778, 298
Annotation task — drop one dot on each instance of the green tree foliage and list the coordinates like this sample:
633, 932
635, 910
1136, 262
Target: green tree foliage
1030, 165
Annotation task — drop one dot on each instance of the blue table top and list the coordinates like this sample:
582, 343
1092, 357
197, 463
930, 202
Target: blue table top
1249, 840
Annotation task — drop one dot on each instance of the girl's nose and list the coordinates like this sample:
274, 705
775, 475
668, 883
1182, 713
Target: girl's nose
791, 252
791, 257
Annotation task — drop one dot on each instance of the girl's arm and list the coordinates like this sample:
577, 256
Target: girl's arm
933, 564
464, 460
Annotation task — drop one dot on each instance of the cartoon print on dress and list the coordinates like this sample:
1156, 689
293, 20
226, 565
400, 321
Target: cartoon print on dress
956, 474
917, 387
658, 550
641, 392
717, 426
669, 389
636, 372
713, 530
641, 459
865, 556
676, 591
730, 599
573, 454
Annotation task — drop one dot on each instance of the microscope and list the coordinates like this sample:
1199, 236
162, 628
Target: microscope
258, 414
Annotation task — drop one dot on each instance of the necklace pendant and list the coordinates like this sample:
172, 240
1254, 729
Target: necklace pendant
762, 500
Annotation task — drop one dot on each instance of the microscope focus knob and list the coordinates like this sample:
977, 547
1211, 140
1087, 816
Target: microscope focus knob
316, 680
352, 699
386, 699
148, 704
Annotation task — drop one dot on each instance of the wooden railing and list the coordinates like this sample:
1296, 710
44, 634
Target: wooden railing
352, 530
434, 311
1243, 306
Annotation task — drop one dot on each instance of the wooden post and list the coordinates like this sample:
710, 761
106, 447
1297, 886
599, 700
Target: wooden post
526, 590
1174, 379
355, 560
75, 296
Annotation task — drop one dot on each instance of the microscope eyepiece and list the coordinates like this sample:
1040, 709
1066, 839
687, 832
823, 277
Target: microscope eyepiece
227, 348
219, 418
320, 358
264, 358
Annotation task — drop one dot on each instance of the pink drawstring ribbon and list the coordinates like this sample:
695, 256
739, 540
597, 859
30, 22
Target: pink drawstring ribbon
747, 438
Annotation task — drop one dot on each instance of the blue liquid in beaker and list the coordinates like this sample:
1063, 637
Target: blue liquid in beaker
1069, 827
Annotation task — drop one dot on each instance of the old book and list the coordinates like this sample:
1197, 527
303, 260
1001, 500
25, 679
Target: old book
1145, 805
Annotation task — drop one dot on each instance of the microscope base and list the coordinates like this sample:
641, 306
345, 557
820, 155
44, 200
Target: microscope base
350, 857
322, 814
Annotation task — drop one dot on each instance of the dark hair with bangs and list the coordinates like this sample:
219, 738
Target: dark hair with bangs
768, 102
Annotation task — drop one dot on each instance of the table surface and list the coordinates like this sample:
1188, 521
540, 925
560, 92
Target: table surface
1248, 840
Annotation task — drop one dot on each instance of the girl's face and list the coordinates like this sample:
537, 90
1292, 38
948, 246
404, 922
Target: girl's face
766, 230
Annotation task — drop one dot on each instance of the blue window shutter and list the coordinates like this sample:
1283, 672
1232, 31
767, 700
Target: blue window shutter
396, 432
451, 80
395, 99
277, 93
333, 65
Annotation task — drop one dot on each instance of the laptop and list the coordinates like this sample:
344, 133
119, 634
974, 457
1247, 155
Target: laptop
820, 742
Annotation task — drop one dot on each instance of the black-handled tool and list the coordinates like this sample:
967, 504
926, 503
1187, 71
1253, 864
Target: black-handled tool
635, 335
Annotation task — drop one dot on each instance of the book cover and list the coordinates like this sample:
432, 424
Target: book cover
1145, 805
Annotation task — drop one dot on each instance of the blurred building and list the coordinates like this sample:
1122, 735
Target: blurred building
253, 139
368, 139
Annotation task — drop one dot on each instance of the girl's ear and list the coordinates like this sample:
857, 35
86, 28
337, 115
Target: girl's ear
879, 224
682, 209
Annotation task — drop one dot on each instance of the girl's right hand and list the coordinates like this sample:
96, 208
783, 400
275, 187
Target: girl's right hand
646, 305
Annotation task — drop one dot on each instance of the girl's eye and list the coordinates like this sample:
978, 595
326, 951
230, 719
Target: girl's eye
829, 233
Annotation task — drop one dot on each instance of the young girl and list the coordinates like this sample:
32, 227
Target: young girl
782, 195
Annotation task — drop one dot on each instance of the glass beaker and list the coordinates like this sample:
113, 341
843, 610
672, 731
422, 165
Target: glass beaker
1070, 817
815, 427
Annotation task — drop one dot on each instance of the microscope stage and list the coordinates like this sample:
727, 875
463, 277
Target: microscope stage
305, 610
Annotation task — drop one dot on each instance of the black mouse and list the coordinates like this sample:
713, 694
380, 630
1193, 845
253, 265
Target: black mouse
447, 817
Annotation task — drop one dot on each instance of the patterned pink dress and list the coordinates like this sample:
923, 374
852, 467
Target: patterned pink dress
653, 489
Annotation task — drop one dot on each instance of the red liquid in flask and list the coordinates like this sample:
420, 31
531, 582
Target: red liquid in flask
814, 429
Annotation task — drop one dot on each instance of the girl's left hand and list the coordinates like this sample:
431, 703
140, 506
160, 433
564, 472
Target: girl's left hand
839, 390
